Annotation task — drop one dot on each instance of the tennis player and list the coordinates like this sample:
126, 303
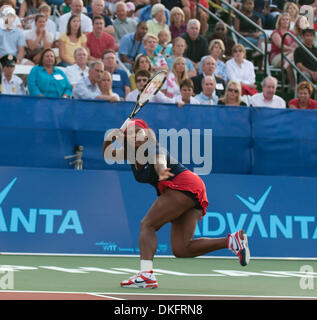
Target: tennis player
182, 201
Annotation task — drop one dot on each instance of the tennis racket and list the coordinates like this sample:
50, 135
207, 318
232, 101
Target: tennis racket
150, 89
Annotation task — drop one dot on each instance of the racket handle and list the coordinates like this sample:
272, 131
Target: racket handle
125, 124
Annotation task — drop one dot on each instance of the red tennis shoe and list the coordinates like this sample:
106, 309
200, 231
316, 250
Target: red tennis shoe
143, 280
238, 244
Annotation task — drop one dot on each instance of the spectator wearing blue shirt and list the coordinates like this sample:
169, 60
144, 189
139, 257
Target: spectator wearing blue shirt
12, 39
120, 79
145, 13
131, 45
47, 80
208, 93
216, 49
87, 88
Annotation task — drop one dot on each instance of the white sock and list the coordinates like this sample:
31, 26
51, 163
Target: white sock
146, 265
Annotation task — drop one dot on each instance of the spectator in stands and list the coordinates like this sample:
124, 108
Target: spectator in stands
79, 69
70, 40
301, 24
302, 60
182, 4
122, 24
145, 12
292, 9
197, 46
98, 40
47, 80
45, 9
131, 11
267, 98
221, 33
105, 86
87, 88
178, 24
178, 49
141, 77
208, 93
158, 21
262, 8
10, 4
217, 49
241, 70
10, 83
232, 96
142, 62
120, 79
303, 100
283, 26
208, 69
65, 7
203, 16
175, 77
276, 7
98, 9
76, 8
131, 45
164, 47
186, 96
28, 10
246, 29
38, 39
12, 39
158, 62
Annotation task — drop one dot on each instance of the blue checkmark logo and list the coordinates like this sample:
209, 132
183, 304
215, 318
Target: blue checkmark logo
252, 204
6, 190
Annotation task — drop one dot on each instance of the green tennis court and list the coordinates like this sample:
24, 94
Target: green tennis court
98, 277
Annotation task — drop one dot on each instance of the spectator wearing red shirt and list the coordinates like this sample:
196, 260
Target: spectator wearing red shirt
304, 101
98, 40
282, 26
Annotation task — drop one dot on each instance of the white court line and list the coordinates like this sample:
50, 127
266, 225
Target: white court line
104, 296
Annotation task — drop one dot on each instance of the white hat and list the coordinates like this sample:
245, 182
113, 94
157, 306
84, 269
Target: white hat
130, 6
8, 11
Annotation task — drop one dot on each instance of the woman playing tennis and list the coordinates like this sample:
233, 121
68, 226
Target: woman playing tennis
182, 201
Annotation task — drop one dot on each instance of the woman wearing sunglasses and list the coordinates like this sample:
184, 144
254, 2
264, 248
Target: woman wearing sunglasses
141, 78
232, 96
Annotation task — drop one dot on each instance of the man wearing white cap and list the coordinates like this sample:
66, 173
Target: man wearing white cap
12, 39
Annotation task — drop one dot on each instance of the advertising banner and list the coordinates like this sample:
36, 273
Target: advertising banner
98, 212
260, 141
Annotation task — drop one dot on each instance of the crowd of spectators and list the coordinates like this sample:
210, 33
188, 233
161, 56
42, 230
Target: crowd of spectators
102, 49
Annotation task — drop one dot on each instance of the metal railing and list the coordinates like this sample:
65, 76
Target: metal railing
284, 56
236, 11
